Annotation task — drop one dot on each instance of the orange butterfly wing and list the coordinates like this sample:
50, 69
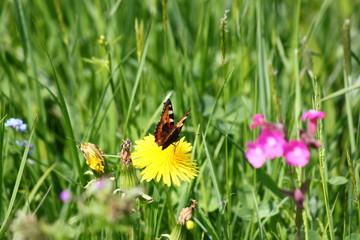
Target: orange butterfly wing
165, 132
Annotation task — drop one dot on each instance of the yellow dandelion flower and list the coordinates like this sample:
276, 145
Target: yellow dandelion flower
93, 156
170, 164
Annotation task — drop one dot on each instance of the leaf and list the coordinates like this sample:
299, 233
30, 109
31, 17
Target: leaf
353, 236
338, 180
268, 182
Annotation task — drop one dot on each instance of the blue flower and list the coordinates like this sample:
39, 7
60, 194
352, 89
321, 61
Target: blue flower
23, 144
17, 124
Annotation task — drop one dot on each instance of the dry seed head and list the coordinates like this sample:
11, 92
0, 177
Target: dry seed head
186, 213
125, 153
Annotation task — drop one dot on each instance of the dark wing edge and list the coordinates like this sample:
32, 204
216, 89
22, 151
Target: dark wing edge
174, 134
165, 124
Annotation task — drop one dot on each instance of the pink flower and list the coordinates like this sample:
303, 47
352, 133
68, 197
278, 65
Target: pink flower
296, 153
255, 154
272, 143
312, 116
65, 196
258, 120
298, 195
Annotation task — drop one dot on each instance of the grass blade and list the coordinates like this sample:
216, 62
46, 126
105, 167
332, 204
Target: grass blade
9, 210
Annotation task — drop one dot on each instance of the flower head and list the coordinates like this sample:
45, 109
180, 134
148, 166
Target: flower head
184, 222
65, 196
125, 153
312, 116
170, 164
17, 124
23, 144
186, 213
93, 155
272, 142
298, 195
255, 154
258, 120
296, 153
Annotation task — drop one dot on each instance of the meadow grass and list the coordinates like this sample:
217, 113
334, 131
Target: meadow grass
99, 71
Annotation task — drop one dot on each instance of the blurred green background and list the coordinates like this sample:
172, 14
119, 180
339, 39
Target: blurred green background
100, 71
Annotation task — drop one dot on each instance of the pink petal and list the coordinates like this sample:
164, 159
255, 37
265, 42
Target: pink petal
255, 155
272, 143
298, 195
258, 120
296, 153
312, 115
65, 196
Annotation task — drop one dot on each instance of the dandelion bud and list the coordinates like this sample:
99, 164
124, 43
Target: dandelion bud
128, 178
298, 195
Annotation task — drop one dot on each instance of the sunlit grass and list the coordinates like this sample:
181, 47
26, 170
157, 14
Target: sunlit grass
99, 72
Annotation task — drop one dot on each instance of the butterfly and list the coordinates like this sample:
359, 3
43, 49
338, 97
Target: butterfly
166, 132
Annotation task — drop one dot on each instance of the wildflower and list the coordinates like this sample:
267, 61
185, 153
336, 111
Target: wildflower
30, 161
99, 187
17, 124
128, 178
65, 196
272, 142
312, 116
94, 158
258, 120
170, 164
296, 153
255, 154
23, 144
298, 196
100, 184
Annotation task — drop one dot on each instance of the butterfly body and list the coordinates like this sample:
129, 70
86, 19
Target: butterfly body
166, 132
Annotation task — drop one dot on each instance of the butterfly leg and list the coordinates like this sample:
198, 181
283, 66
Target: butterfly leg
175, 145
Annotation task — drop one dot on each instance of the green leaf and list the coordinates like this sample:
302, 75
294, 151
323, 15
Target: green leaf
353, 236
338, 180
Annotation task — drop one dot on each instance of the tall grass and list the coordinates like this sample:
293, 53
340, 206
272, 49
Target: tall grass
277, 58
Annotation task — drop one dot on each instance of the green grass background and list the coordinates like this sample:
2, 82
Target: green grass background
281, 59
